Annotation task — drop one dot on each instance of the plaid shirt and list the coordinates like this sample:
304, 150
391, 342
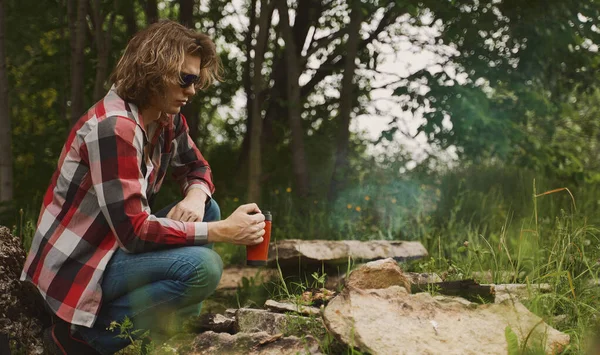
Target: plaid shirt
98, 201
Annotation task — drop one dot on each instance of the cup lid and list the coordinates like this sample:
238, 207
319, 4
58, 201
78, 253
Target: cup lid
268, 216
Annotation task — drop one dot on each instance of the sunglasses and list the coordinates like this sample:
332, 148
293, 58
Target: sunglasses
187, 80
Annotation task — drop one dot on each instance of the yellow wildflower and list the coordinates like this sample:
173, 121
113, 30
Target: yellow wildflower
349, 206
393, 200
276, 191
288, 190
367, 198
357, 208
235, 199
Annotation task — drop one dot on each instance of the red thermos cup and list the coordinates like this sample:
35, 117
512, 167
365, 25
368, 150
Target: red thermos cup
256, 255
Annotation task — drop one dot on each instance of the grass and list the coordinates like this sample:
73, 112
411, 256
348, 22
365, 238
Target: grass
561, 250
517, 233
503, 222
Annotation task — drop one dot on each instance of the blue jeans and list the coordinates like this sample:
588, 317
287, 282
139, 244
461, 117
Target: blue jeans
157, 290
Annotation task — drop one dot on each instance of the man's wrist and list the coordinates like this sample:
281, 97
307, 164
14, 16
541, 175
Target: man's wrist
214, 232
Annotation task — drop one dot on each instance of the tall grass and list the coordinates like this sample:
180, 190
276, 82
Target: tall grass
555, 242
510, 224
507, 224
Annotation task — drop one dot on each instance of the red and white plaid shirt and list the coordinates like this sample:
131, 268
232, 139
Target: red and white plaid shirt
98, 201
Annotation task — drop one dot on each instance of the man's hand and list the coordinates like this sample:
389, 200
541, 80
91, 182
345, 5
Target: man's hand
241, 227
191, 208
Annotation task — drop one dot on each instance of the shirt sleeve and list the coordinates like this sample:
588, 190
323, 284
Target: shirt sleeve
115, 152
190, 169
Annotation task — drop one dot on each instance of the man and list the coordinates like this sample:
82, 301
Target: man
99, 253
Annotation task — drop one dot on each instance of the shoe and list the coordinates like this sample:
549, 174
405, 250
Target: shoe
58, 340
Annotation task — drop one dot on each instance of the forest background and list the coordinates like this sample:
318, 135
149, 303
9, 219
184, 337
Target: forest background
513, 95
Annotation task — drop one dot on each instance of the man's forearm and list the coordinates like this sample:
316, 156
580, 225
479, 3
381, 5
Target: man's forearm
197, 194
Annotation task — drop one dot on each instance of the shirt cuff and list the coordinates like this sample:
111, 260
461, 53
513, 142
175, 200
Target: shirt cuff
200, 233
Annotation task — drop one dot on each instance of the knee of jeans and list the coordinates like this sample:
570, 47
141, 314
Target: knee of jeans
213, 211
210, 271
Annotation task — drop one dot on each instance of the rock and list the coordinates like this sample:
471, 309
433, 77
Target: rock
252, 344
489, 277
209, 321
332, 253
422, 324
518, 291
181, 343
232, 276
250, 320
560, 319
22, 313
230, 312
378, 274
291, 307
468, 289
334, 282
422, 278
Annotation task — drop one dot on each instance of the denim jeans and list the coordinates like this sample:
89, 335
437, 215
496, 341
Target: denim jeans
157, 290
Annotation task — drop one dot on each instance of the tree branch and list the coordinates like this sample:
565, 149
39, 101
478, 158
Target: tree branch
333, 64
323, 42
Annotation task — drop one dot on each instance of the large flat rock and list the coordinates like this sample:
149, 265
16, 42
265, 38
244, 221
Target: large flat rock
391, 321
337, 252
260, 343
248, 320
233, 275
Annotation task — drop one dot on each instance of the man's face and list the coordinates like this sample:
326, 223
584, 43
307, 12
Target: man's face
177, 96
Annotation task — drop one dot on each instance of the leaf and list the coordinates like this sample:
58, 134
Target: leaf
512, 341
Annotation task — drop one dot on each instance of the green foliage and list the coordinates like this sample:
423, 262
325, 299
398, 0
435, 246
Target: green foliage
553, 243
253, 292
137, 337
501, 85
512, 340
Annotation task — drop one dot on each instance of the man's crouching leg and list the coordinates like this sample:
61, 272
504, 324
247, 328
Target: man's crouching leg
157, 291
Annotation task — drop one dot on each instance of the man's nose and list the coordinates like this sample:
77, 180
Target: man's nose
190, 90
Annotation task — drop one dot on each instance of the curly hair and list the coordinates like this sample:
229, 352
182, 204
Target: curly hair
154, 57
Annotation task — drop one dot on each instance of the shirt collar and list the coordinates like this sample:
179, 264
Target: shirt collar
134, 113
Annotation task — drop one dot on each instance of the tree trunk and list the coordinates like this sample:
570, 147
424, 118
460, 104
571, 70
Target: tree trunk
247, 81
294, 104
255, 162
103, 45
128, 12
192, 110
186, 13
191, 113
6, 163
307, 15
346, 102
77, 62
151, 11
